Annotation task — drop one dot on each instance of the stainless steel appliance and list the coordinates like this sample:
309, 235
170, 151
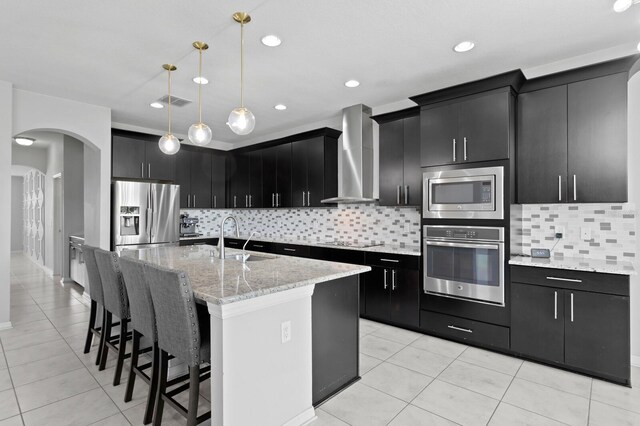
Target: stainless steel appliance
145, 213
476, 193
188, 226
466, 262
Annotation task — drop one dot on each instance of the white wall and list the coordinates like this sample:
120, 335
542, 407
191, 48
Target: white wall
73, 192
17, 225
634, 197
54, 165
6, 117
32, 157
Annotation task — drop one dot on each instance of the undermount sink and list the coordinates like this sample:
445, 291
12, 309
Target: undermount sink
250, 258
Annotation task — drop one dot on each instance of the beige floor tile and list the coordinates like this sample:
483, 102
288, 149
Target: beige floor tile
414, 416
439, 346
475, 378
67, 301
25, 340
366, 328
423, 362
115, 420
326, 419
509, 415
491, 360
616, 395
82, 409
40, 393
11, 421
116, 393
556, 378
396, 381
367, 363
362, 405
37, 352
8, 404
396, 334
22, 318
605, 415
378, 347
45, 368
3, 362
456, 404
82, 317
548, 402
5, 380
26, 328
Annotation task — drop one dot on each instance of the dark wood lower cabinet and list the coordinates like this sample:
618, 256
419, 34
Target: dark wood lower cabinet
393, 295
377, 294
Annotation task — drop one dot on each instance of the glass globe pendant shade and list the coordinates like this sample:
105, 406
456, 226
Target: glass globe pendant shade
169, 144
200, 134
241, 121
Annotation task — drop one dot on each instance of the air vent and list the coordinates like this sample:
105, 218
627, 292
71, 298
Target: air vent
175, 101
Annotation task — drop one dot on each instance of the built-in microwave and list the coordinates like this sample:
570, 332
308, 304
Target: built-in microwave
464, 193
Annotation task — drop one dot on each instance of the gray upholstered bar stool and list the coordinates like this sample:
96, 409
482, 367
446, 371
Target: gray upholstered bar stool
183, 331
143, 322
116, 303
97, 299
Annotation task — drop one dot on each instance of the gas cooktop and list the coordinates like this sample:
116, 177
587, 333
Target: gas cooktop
354, 244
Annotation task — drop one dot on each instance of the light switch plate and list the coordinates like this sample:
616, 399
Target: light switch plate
541, 253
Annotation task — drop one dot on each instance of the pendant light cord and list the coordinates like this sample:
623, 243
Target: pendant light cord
169, 104
242, 64
200, 86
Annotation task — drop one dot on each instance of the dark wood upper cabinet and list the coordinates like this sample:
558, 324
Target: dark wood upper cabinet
218, 180
597, 168
283, 174
572, 142
299, 173
269, 176
238, 170
160, 166
472, 129
183, 176
314, 171
400, 174
136, 156
542, 146
256, 175
193, 174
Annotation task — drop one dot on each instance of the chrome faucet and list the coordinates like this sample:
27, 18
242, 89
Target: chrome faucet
221, 239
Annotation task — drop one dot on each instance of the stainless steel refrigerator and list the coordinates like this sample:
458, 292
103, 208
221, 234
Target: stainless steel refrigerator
145, 214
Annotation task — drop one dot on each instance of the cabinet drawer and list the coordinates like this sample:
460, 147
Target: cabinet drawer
572, 280
338, 255
465, 329
199, 242
293, 250
260, 246
235, 243
392, 260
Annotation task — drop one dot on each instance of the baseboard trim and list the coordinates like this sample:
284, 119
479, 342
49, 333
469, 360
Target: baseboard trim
5, 325
635, 360
304, 418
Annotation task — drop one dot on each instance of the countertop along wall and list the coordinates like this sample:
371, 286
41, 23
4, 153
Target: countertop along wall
634, 197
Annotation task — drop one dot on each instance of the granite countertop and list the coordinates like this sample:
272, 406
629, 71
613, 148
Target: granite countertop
386, 248
576, 264
227, 281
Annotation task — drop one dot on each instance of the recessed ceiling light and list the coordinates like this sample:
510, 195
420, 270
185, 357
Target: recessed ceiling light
280, 107
157, 105
271, 40
464, 46
24, 141
352, 83
622, 5
200, 80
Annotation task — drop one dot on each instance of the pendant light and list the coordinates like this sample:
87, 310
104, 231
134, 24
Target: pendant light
241, 120
200, 133
168, 143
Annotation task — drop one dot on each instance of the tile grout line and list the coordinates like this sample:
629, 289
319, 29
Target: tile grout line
15, 395
589, 409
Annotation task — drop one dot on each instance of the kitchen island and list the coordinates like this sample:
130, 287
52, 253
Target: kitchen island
284, 330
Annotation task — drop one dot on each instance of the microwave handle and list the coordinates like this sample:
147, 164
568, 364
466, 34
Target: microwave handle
462, 245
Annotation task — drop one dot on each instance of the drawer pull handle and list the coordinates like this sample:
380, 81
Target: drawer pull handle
466, 330
390, 260
555, 305
289, 249
258, 245
571, 280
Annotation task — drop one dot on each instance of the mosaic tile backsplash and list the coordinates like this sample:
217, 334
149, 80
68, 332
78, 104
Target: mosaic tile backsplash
612, 227
359, 223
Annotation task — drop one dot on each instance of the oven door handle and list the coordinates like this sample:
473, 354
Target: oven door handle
462, 245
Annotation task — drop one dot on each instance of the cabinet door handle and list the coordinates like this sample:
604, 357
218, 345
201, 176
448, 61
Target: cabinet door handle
571, 307
308, 198
250, 200
393, 279
277, 200
149, 171
273, 199
258, 246
398, 194
454, 150
142, 170
464, 146
385, 279
289, 249
235, 204
466, 330
215, 201
571, 280
302, 198
246, 200
559, 187
406, 194
194, 200
555, 305
188, 200
575, 190
390, 260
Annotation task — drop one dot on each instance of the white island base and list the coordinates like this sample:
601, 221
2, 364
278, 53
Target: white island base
256, 379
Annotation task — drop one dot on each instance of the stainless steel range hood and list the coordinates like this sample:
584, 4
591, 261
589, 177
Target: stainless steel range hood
355, 175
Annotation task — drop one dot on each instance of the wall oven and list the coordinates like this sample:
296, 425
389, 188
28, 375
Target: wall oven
465, 262
464, 193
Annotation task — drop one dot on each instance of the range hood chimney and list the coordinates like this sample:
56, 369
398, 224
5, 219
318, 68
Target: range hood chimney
355, 175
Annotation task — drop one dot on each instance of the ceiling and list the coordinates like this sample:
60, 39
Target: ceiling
110, 53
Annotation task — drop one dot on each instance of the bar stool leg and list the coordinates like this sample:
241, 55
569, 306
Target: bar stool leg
92, 324
106, 337
153, 387
162, 388
102, 331
134, 364
122, 349
194, 395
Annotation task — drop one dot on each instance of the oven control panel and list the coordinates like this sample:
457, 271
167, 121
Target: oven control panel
484, 233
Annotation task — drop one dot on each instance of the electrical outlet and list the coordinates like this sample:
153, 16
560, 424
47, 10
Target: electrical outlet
285, 331
559, 230
585, 233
